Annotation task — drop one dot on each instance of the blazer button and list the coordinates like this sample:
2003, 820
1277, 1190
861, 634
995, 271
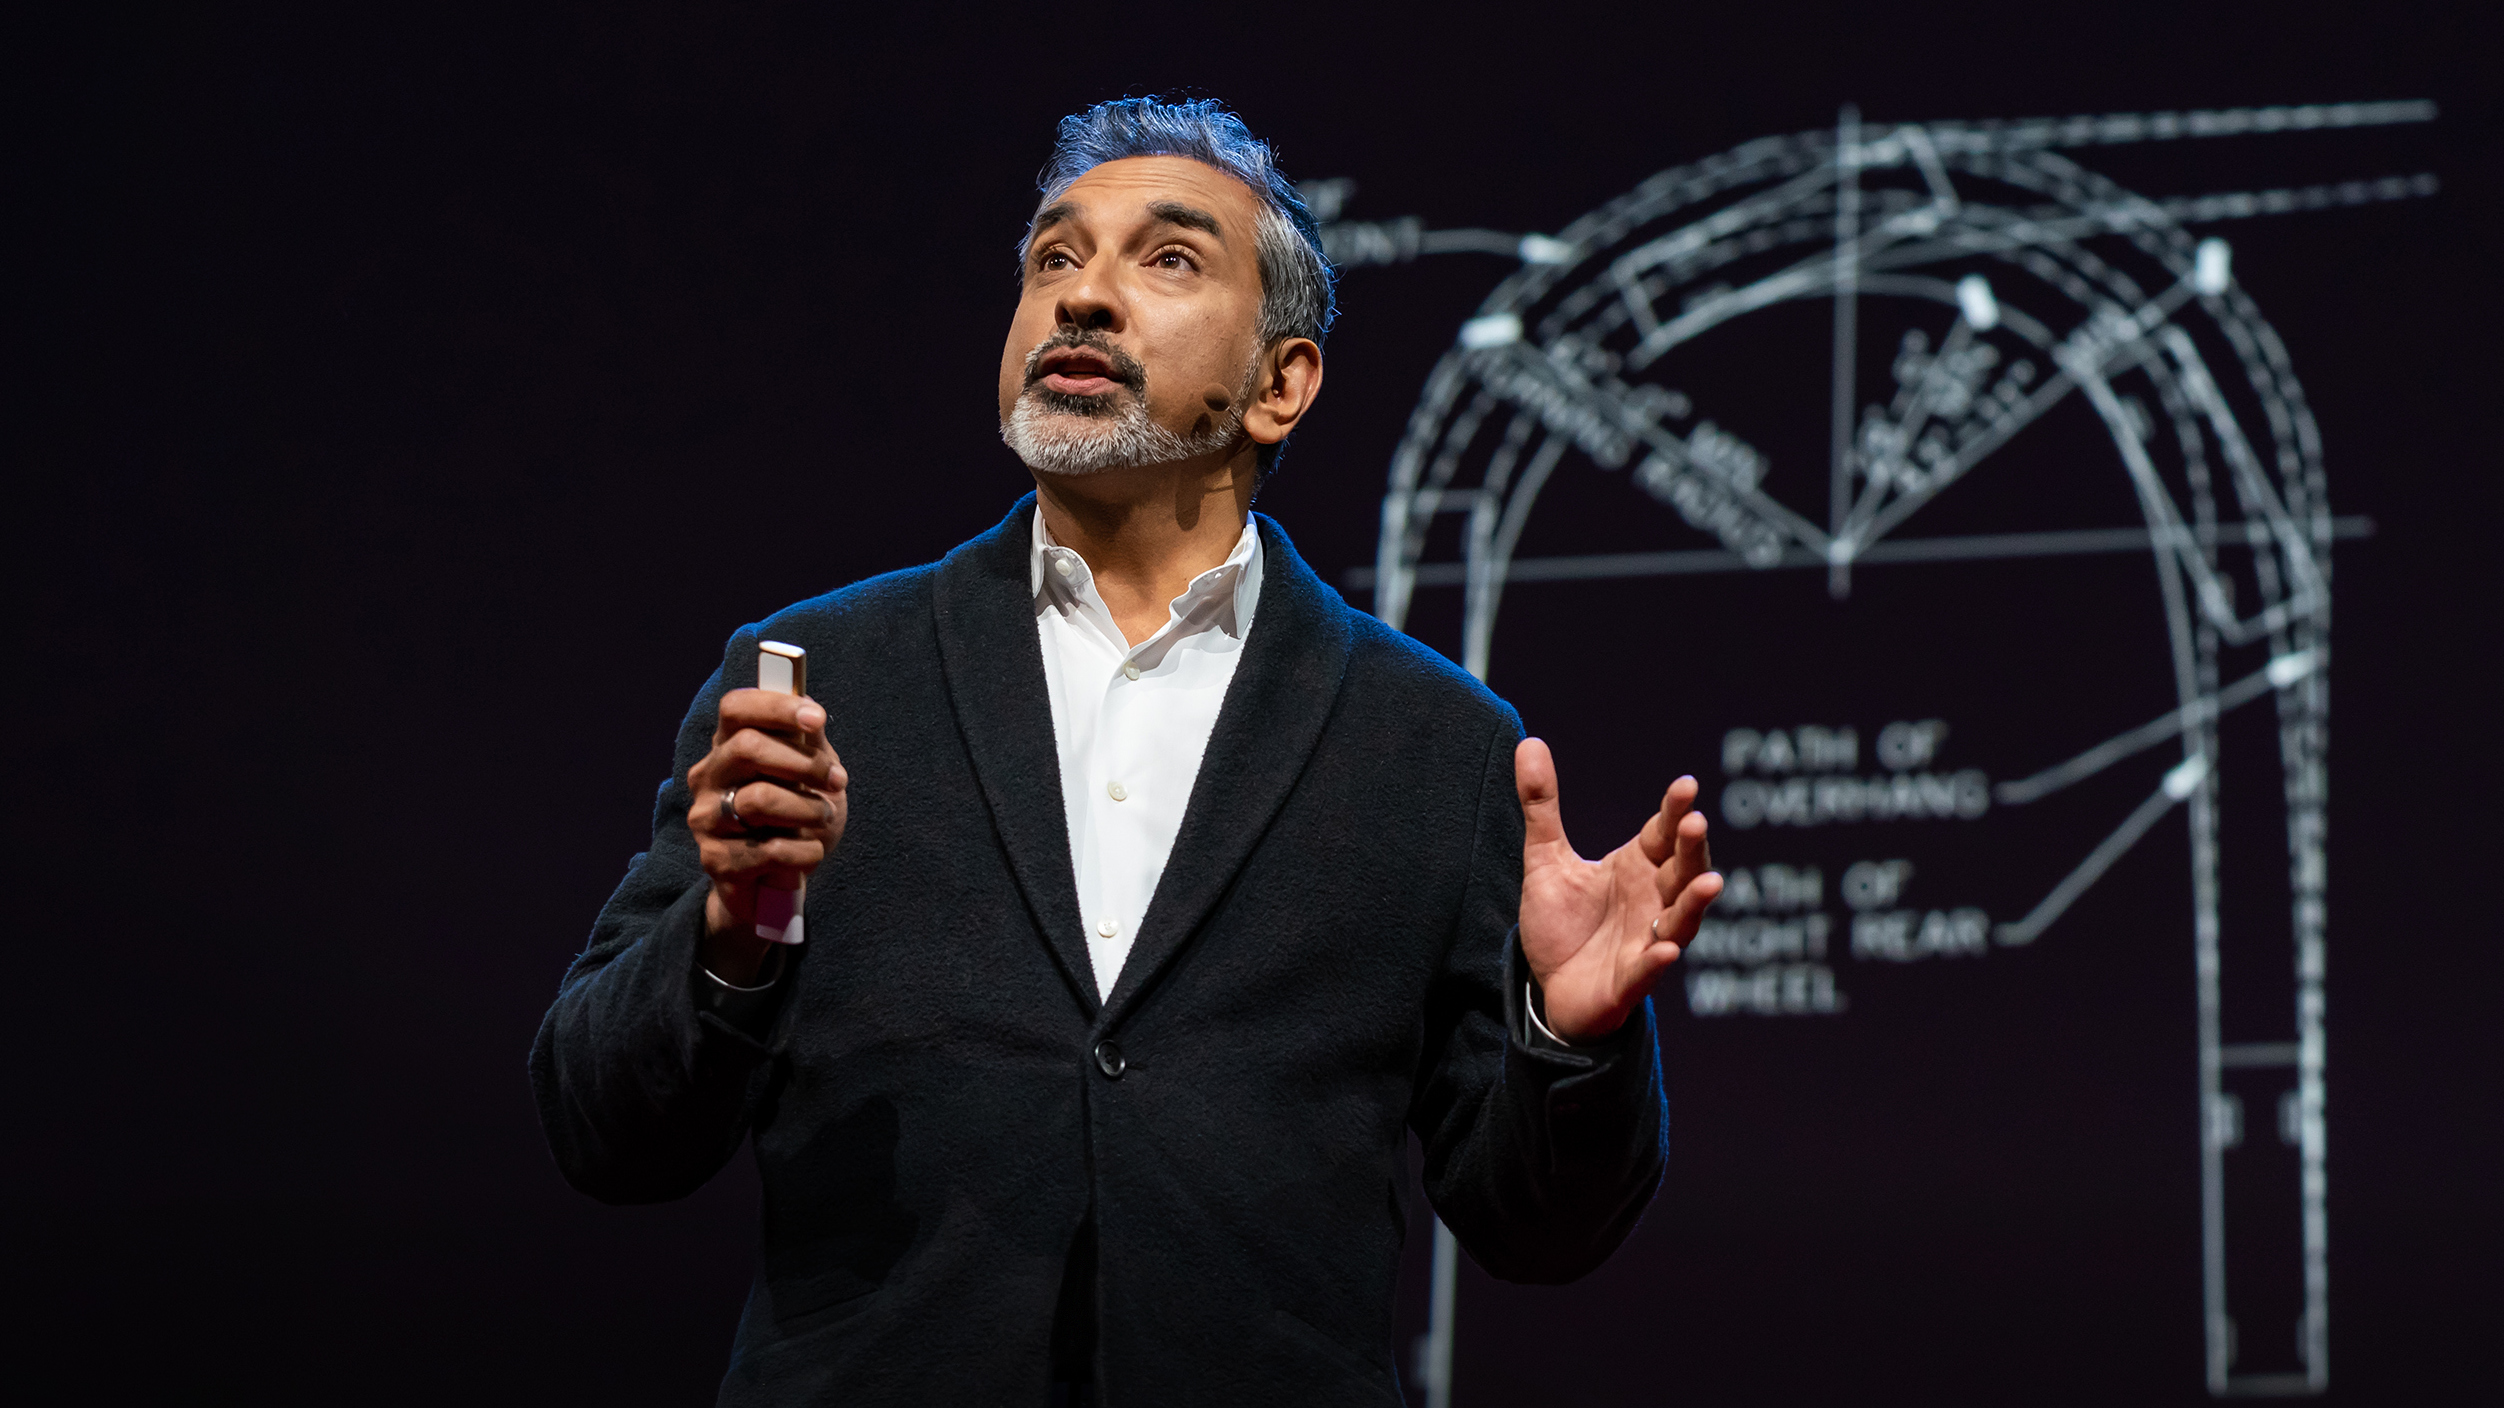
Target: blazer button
1109, 1060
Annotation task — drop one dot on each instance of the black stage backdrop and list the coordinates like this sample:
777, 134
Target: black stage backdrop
410, 399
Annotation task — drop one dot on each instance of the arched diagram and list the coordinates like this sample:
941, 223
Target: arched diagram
2009, 280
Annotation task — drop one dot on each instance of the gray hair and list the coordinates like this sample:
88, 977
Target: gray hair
1296, 294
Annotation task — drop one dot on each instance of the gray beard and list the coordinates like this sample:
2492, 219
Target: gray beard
1067, 441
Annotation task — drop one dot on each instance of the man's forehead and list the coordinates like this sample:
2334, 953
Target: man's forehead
1133, 187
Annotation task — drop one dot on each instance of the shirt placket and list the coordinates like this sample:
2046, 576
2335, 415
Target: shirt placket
1112, 914
1128, 720
1119, 774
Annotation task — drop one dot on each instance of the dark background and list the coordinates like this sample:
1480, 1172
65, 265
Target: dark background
409, 399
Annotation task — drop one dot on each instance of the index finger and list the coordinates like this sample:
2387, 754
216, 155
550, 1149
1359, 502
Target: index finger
770, 712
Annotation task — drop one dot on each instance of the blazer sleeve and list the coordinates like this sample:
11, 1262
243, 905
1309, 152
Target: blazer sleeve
644, 1095
1539, 1158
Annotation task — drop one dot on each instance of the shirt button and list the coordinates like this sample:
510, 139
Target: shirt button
1117, 792
1107, 928
1109, 1059
1130, 669
1061, 565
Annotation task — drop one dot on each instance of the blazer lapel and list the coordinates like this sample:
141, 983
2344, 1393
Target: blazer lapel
993, 662
1281, 695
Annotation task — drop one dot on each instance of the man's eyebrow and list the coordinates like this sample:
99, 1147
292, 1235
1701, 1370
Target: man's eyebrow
1053, 214
1190, 217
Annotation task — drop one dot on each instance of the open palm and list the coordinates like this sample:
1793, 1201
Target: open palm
1597, 932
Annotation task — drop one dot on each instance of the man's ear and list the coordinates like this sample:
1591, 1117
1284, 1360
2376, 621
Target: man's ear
1290, 379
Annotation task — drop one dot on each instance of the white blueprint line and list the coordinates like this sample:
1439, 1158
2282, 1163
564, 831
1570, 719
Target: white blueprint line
1974, 547
2278, 674
2092, 869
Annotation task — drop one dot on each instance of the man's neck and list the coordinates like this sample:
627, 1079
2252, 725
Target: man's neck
1147, 531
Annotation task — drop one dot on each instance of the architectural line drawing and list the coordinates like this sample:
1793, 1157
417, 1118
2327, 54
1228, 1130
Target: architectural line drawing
2020, 282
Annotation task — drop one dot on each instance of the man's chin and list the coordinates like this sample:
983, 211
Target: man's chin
1067, 445
1059, 466
1062, 443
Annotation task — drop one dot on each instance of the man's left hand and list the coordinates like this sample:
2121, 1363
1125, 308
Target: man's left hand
1597, 932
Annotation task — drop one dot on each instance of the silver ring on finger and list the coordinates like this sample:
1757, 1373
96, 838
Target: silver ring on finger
730, 809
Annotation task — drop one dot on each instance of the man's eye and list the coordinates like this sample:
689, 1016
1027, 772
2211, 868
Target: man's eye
1175, 259
1053, 259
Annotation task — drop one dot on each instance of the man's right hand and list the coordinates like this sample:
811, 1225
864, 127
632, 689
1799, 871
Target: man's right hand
771, 758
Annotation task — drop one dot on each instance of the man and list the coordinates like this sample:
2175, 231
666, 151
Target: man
1152, 894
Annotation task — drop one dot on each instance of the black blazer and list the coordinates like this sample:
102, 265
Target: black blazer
938, 1105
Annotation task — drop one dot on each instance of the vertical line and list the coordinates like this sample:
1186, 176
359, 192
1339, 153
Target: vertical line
1847, 336
2206, 966
1438, 1366
1485, 585
2301, 707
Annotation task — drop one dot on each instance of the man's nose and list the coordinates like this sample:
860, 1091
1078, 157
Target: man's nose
1092, 303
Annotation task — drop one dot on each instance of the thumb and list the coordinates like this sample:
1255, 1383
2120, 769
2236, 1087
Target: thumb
1534, 778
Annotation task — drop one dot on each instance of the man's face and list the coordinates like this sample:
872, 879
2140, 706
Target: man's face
1137, 328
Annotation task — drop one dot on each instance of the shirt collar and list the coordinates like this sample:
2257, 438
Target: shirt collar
1239, 576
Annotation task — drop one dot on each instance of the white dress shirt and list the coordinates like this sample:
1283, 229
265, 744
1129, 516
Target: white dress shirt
1131, 723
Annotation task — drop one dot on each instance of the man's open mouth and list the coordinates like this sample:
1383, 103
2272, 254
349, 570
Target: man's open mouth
1082, 369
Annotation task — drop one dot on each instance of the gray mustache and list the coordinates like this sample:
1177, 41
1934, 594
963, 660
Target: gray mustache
1125, 368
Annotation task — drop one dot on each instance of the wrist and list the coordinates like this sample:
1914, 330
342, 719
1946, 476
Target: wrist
1572, 1028
730, 949
721, 987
